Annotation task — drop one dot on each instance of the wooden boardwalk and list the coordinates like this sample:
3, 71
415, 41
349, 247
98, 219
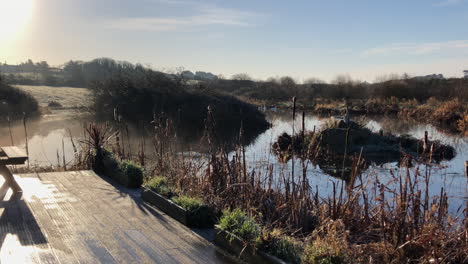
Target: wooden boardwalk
77, 217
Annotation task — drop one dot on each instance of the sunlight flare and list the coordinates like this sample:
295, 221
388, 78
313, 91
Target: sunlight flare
14, 15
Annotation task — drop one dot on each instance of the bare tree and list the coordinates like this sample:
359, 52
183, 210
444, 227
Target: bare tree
287, 82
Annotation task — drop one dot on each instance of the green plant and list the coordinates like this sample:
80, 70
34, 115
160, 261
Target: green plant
132, 172
200, 214
159, 184
96, 137
329, 244
237, 223
188, 203
281, 246
319, 253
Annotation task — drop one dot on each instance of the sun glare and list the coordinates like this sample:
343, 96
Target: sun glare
14, 15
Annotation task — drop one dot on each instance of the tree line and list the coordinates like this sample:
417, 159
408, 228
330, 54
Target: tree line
83, 74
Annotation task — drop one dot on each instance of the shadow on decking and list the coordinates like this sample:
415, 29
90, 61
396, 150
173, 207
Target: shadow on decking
17, 219
206, 233
135, 195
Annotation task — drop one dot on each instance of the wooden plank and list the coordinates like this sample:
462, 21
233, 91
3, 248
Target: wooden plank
10, 180
13, 155
99, 238
82, 213
72, 230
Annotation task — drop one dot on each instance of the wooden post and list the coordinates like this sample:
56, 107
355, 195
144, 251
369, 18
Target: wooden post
303, 124
294, 108
9, 128
425, 143
466, 168
292, 145
26, 136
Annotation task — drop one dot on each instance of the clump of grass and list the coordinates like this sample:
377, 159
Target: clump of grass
160, 185
237, 223
188, 203
329, 244
281, 246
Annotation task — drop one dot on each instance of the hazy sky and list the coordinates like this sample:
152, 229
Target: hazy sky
363, 38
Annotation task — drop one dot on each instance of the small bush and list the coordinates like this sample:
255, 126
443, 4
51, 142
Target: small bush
237, 223
281, 246
329, 244
319, 253
188, 203
125, 172
133, 173
159, 185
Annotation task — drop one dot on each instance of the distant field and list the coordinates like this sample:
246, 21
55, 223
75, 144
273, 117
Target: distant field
66, 96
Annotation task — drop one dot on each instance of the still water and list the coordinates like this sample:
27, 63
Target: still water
51, 136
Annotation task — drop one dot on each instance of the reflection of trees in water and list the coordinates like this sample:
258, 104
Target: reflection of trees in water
394, 125
183, 136
340, 147
41, 127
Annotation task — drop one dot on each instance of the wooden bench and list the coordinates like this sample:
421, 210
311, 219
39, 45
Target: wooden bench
10, 156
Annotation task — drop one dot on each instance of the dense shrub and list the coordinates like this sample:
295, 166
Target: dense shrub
125, 172
132, 172
14, 102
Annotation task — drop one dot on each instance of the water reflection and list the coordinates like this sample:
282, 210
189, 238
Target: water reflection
449, 174
52, 134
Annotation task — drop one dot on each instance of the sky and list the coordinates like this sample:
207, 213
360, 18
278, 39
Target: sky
365, 39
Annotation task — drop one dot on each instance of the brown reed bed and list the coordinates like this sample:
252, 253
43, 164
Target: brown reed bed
362, 221
450, 115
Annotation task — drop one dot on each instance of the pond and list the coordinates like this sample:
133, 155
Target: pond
53, 135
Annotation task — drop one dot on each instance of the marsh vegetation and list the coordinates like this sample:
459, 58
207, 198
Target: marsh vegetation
383, 213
